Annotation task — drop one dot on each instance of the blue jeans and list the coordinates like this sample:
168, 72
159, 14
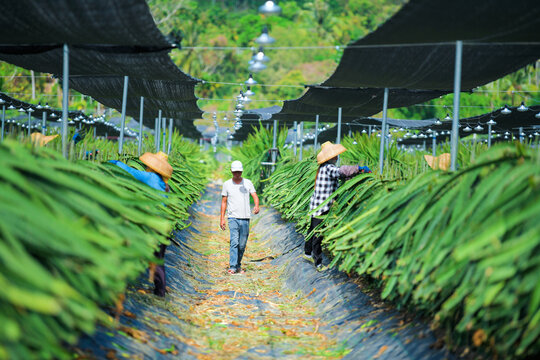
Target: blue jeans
239, 229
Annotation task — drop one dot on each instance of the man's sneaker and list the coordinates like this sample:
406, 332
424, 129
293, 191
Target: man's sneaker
308, 257
321, 267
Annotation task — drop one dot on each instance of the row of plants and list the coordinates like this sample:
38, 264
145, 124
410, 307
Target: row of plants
462, 247
72, 236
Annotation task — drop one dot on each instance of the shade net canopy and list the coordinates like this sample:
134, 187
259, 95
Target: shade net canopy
504, 122
38, 113
102, 22
415, 48
107, 40
355, 103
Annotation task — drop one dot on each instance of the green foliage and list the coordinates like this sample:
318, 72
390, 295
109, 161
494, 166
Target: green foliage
72, 235
462, 247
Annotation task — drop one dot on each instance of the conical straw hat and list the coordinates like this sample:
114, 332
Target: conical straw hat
329, 151
40, 139
440, 162
158, 163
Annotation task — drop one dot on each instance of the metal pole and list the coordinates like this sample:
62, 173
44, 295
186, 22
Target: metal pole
520, 136
164, 128
274, 146
455, 120
369, 130
489, 136
29, 119
383, 127
301, 139
44, 123
141, 116
156, 137
434, 145
3, 119
170, 136
65, 101
338, 137
158, 131
295, 137
316, 132
95, 131
123, 118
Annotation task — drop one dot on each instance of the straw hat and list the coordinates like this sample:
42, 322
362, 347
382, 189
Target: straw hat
440, 162
40, 139
329, 151
158, 163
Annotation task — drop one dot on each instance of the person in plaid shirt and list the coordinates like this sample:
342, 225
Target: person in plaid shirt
326, 182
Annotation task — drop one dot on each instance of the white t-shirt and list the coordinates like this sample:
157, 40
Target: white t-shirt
238, 198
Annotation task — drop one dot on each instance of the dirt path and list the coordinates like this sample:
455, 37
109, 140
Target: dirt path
278, 309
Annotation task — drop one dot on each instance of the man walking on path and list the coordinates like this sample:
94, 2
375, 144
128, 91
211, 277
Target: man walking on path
235, 199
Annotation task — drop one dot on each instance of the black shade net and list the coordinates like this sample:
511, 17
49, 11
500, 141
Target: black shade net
101, 22
38, 113
414, 48
108, 39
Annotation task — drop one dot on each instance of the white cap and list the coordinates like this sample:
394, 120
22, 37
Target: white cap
237, 166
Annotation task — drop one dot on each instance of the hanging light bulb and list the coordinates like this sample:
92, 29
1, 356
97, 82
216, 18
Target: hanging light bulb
354, 142
250, 81
47, 106
506, 110
225, 118
364, 131
269, 8
239, 106
264, 38
507, 133
21, 110
240, 98
414, 136
256, 66
39, 107
536, 133
491, 122
260, 56
407, 134
536, 116
479, 128
438, 122
238, 112
429, 131
249, 92
11, 107
522, 107
467, 129
447, 117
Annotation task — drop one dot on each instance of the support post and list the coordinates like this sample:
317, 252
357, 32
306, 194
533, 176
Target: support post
274, 146
338, 137
29, 120
158, 131
455, 120
164, 130
170, 136
65, 100
369, 130
95, 131
520, 136
123, 118
434, 145
301, 140
316, 133
44, 123
383, 128
295, 137
489, 136
3, 119
141, 116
